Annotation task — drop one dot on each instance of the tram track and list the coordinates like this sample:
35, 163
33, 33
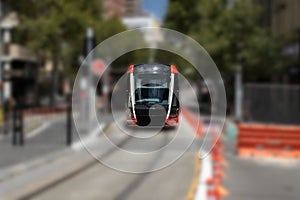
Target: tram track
91, 163
76, 172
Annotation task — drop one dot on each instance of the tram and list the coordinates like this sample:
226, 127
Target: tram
153, 92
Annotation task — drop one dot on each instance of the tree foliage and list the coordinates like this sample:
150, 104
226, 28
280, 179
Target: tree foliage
51, 24
182, 15
57, 28
232, 34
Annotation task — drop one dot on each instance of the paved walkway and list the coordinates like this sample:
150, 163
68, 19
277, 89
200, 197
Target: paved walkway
48, 138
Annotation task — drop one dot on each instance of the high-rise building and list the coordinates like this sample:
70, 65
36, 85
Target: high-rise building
19, 66
282, 16
285, 16
122, 8
114, 8
133, 8
283, 19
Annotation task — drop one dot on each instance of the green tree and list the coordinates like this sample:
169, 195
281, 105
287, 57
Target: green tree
56, 28
132, 57
102, 31
233, 34
182, 15
109, 27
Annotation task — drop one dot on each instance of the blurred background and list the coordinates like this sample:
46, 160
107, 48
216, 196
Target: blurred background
254, 43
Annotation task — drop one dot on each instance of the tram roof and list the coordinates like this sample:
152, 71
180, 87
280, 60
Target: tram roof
154, 68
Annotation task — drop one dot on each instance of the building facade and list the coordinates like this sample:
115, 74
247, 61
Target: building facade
122, 8
133, 8
285, 16
114, 8
19, 67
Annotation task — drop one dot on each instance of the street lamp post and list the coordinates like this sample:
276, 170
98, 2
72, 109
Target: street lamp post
1, 46
238, 93
89, 48
298, 30
238, 87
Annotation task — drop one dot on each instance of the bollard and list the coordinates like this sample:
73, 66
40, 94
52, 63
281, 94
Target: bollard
212, 193
18, 134
21, 130
14, 135
69, 120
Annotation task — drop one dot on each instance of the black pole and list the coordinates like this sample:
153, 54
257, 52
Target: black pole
299, 45
21, 139
18, 133
14, 135
1, 58
69, 120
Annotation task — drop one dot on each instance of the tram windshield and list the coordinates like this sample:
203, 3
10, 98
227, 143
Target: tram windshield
152, 89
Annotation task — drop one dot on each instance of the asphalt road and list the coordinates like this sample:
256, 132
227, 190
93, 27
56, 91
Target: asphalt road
262, 179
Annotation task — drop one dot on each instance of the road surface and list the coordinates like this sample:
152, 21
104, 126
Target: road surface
98, 181
102, 182
261, 178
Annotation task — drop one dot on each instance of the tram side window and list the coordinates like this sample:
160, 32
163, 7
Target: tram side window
175, 102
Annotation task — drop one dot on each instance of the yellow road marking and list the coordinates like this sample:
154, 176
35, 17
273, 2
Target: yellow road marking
107, 130
193, 188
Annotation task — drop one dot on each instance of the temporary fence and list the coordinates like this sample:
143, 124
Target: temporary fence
268, 140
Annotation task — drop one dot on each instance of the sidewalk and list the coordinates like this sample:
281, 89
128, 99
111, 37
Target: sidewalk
49, 140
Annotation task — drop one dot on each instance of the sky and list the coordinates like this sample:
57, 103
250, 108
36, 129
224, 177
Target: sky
156, 7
